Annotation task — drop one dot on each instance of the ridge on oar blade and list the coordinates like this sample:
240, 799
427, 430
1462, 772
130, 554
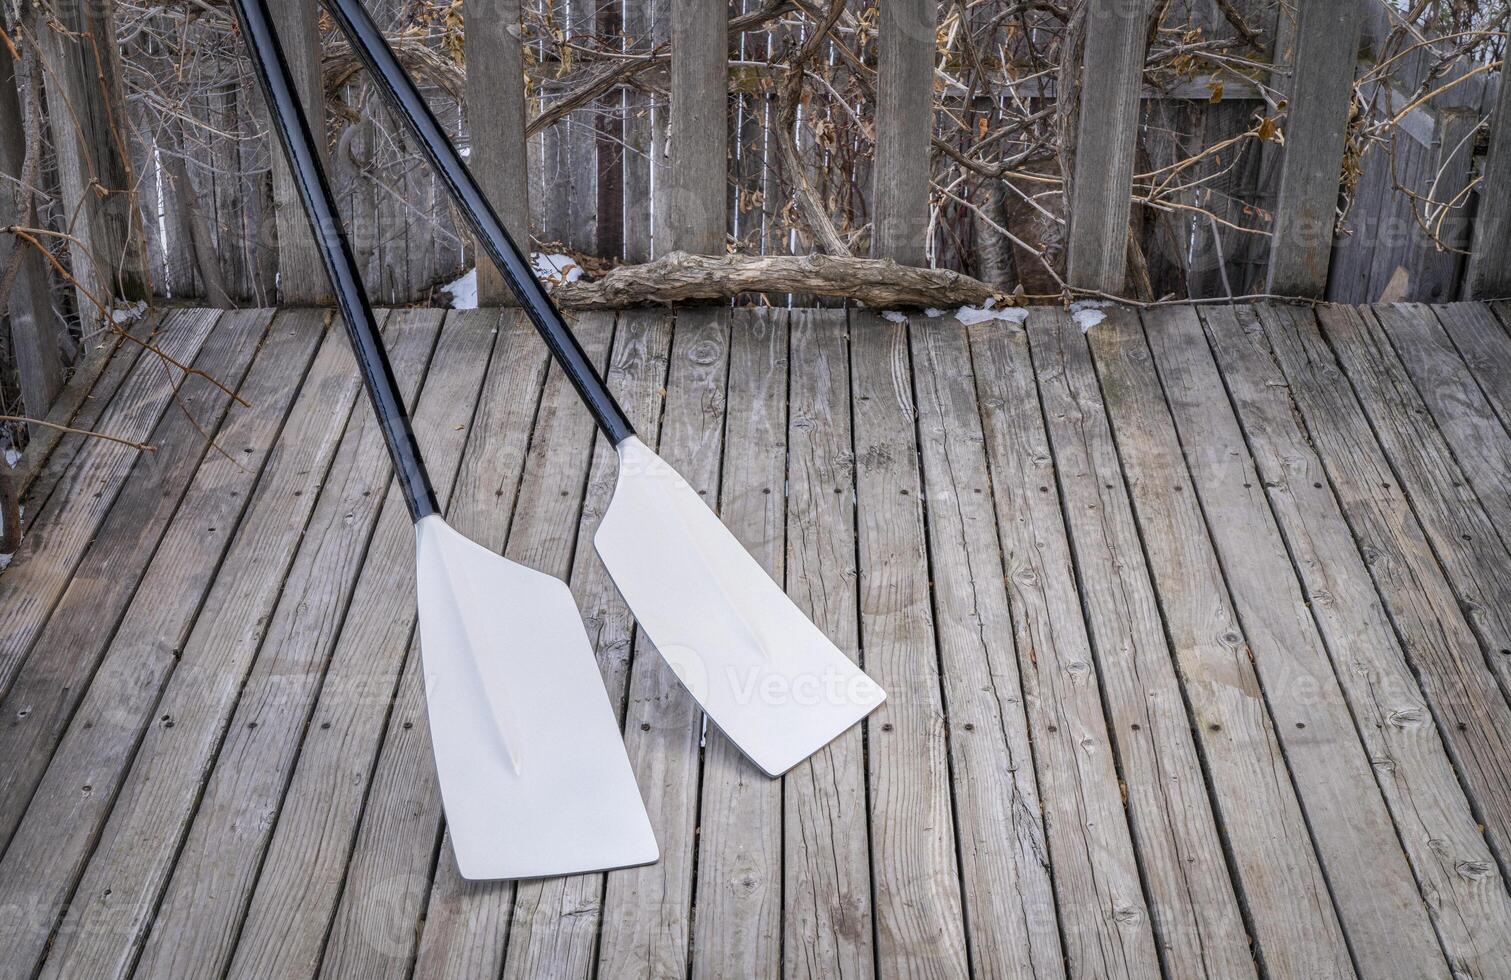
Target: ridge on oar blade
533, 772
765, 675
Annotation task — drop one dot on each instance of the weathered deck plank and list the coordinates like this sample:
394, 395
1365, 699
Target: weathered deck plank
1371, 881
920, 923
737, 931
1011, 922
1147, 816
1295, 928
55, 542
647, 911
69, 646
1437, 824
827, 929
125, 876
1197, 918
1103, 912
1462, 533
360, 539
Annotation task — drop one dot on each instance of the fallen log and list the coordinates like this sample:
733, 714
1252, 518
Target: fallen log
677, 276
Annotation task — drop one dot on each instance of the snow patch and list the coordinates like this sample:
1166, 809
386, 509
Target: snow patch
462, 291
892, 316
128, 314
933, 312
553, 269
1088, 313
981, 314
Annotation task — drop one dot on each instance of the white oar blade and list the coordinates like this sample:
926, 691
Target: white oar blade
765, 675
533, 772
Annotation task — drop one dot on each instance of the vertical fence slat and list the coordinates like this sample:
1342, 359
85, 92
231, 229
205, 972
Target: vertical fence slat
35, 328
496, 90
904, 120
301, 276
1489, 266
1325, 52
1106, 141
637, 140
88, 128
699, 137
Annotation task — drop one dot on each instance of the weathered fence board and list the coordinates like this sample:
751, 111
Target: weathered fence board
904, 111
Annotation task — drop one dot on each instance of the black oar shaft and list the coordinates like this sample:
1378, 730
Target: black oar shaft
299, 146
404, 98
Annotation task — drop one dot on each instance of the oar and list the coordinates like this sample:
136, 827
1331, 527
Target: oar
534, 777
764, 674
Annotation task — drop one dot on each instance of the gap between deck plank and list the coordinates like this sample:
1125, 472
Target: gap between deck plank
151, 816
1374, 890
54, 544
360, 531
55, 838
1198, 920
1438, 828
1296, 929
102, 588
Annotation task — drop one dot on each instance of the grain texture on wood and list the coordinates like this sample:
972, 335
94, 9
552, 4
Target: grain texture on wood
1435, 629
919, 917
826, 891
496, 94
1371, 880
1106, 144
55, 542
1321, 89
359, 570
738, 891
310, 856
280, 542
647, 911
1295, 928
1462, 532
904, 122
698, 136
301, 275
1103, 913
1463, 413
1489, 274
1011, 920
104, 585
1436, 821
1197, 918
1485, 346
36, 331
90, 764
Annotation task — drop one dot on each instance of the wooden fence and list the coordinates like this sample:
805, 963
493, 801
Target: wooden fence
674, 166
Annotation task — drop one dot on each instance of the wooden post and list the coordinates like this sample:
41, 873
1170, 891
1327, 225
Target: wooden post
496, 100
301, 276
698, 141
904, 122
34, 325
1490, 260
1326, 49
638, 122
89, 131
1112, 77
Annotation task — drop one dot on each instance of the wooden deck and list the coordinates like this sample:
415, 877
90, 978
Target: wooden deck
1196, 628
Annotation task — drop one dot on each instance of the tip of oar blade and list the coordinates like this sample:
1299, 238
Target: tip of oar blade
765, 675
533, 772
